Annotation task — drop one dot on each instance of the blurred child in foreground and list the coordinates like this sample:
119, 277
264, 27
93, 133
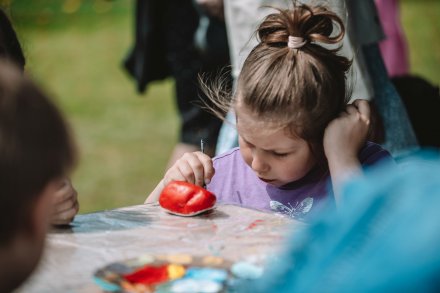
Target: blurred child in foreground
36, 155
66, 197
384, 239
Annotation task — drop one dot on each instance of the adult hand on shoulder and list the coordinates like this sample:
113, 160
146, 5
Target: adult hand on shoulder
345, 135
66, 204
193, 167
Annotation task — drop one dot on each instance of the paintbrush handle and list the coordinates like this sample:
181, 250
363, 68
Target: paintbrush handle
202, 149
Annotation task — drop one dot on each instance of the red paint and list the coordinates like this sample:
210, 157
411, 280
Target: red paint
254, 224
186, 198
148, 275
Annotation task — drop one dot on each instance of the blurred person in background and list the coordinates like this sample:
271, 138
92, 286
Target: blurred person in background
182, 39
394, 48
421, 98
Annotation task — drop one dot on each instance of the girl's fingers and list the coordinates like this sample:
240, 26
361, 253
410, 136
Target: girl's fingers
194, 167
66, 216
363, 107
198, 167
64, 193
208, 169
186, 171
177, 173
67, 204
358, 110
181, 170
351, 109
62, 196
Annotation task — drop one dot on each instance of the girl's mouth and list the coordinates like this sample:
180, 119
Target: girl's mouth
267, 180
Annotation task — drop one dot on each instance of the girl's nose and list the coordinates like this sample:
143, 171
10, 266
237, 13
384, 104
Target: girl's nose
258, 162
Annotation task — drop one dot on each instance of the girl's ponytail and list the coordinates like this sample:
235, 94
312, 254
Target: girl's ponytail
309, 24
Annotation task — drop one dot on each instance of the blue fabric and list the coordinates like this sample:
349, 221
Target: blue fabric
228, 136
399, 133
384, 238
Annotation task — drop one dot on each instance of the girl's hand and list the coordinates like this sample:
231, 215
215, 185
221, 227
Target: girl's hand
66, 204
193, 167
345, 135
343, 139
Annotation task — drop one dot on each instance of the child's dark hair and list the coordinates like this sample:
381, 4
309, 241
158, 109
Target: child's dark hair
35, 147
302, 88
9, 45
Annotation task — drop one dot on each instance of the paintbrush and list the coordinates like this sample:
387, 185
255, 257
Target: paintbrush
202, 149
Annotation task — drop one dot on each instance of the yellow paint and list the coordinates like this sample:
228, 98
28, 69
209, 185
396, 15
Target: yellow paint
175, 271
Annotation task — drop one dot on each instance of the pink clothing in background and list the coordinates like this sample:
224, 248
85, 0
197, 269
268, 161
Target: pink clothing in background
394, 48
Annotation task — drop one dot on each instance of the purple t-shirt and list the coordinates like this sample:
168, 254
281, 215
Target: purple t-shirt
235, 182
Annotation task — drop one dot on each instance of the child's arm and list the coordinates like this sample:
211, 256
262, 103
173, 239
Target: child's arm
66, 204
343, 139
193, 167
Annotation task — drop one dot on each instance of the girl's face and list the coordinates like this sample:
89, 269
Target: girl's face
275, 156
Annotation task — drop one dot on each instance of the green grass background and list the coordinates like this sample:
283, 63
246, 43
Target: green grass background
75, 48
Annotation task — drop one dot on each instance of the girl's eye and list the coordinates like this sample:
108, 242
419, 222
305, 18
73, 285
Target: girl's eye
280, 154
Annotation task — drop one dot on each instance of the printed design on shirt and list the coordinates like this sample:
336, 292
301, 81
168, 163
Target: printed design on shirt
298, 211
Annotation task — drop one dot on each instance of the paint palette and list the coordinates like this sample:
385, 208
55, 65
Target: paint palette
174, 273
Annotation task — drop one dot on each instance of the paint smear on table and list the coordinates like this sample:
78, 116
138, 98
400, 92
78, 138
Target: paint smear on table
254, 224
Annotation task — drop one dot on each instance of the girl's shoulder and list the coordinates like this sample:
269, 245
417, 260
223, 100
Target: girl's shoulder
372, 153
232, 154
369, 145
230, 160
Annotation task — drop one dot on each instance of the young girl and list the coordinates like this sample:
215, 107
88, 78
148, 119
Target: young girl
295, 128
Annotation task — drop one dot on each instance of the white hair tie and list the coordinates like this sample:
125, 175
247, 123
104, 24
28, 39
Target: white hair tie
296, 42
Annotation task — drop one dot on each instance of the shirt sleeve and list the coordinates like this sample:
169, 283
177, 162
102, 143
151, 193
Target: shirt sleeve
373, 153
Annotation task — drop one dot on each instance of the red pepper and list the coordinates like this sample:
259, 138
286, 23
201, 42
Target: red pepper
186, 199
